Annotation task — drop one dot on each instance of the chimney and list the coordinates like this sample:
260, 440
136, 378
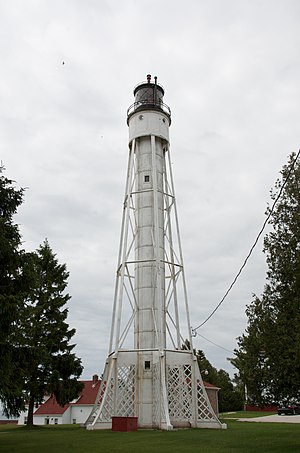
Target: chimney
95, 378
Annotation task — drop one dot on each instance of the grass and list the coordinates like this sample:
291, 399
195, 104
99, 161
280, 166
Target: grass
238, 438
246, 414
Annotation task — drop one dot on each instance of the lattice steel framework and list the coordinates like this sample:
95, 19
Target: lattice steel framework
147, 374
171, 265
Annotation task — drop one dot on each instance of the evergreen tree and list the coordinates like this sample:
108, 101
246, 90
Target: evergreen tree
35, 355
268, 354
230, 395
12, 286
44, 335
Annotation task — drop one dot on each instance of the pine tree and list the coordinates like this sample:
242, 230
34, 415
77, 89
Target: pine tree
268, 356
35, 354
43, 334
12, 286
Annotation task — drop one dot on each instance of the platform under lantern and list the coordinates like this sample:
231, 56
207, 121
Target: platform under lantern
147, 374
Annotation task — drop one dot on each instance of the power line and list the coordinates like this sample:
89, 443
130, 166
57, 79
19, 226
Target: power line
215, 344
194, 331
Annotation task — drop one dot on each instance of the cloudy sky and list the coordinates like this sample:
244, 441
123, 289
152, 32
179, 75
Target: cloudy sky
231, 71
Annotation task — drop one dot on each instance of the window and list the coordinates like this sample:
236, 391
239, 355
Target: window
55, 421
47, 421
74, 421
147, 364
146, 178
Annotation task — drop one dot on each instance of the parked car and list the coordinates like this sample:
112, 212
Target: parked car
287, 408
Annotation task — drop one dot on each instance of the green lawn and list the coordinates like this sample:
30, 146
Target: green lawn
246, 414
240, 437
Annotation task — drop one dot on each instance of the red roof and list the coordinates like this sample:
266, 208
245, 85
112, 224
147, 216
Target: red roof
208, 385
89, 392
51, 406
87, 396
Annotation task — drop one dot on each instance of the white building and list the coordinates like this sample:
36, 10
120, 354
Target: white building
75, 412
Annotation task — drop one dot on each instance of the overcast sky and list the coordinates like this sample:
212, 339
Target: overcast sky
231, 71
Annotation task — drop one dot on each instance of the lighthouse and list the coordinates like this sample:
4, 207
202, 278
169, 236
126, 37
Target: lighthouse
151, 372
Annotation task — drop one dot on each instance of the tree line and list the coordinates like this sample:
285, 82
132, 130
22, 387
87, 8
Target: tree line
268, 353
36, 357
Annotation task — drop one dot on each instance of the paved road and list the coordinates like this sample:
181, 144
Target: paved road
273, 419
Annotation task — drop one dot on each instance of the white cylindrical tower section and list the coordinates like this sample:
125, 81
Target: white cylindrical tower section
148, 120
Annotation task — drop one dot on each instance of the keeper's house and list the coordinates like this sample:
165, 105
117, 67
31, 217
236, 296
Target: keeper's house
77, 411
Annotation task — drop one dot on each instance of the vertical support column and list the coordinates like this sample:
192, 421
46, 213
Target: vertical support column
165, 424
181, 258
118, 296
158, 246
174, 270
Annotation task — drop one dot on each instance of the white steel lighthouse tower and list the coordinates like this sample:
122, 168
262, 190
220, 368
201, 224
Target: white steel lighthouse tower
147, 373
